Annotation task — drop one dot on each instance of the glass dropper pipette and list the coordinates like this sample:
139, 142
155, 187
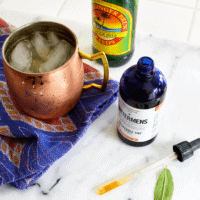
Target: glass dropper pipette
182, 151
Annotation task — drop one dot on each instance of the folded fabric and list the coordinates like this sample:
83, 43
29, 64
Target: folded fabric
28, 146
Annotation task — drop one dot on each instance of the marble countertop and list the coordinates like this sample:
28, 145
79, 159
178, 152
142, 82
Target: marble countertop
100, 155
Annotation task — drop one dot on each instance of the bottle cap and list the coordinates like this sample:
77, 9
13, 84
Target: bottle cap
186, 149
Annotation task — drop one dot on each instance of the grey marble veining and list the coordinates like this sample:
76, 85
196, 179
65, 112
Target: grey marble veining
100, 155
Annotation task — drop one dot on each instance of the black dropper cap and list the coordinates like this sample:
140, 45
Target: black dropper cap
186, 149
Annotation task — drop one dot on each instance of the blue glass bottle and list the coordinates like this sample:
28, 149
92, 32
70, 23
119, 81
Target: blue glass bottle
141, 95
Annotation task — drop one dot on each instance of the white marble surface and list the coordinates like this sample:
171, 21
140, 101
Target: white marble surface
100, 155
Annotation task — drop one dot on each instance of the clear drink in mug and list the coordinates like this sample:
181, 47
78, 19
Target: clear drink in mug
41, 52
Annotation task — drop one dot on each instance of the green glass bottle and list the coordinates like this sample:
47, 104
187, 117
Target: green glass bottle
114, 23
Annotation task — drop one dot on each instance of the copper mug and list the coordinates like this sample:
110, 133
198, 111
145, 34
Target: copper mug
51, 94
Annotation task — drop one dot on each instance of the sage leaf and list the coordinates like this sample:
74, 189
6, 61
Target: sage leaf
164, 186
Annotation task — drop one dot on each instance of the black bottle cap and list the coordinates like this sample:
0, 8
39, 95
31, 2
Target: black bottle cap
186, 149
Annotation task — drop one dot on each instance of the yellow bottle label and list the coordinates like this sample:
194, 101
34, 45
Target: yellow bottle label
112, 28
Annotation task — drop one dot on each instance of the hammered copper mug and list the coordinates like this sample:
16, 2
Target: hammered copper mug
51, 94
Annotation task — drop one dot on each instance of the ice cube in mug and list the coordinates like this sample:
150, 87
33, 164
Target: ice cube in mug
58, 56
21, 57
41, 45
52, 38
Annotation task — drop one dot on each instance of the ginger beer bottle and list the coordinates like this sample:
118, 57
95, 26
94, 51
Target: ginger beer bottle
114, 23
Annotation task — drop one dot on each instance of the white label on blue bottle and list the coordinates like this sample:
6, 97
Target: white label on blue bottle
138, 125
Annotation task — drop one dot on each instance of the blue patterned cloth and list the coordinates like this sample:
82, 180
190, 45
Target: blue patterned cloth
28, 147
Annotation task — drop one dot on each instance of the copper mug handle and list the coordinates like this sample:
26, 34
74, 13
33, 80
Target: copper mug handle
96, 56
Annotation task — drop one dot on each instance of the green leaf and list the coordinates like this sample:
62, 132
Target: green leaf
164, 186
